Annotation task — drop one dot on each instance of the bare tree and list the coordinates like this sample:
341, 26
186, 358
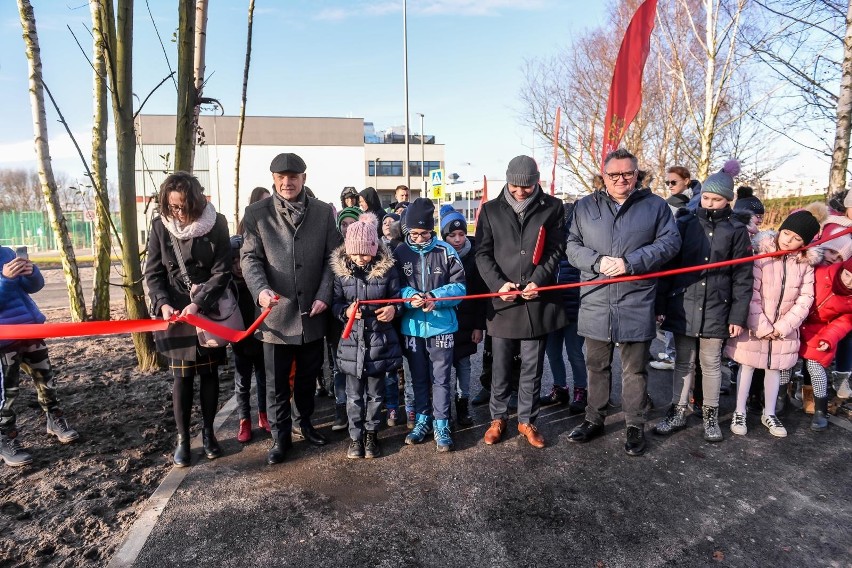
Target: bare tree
20, 190
45, 172
102, 263
242, 122
187, 95
117, 30
840, 155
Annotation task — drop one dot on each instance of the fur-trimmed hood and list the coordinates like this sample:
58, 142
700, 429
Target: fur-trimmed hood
765, 241
341, 265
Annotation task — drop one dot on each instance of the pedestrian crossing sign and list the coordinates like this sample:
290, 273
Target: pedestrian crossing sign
437, 183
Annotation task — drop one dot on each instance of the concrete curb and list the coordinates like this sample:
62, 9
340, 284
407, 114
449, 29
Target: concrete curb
136, 538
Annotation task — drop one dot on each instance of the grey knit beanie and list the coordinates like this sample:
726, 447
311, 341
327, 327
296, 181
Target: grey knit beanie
722, 182
522, 171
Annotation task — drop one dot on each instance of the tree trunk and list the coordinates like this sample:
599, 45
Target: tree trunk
118, 39
708, 125
100, 299
242, 122
199, 65
185, 131
840, 156
45, 168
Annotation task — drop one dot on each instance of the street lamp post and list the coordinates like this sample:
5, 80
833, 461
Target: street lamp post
422, 156
407, 164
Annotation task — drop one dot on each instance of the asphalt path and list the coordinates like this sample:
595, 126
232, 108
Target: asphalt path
748, 501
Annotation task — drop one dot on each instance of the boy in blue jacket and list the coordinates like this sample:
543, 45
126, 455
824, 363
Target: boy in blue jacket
429, 269
19, 278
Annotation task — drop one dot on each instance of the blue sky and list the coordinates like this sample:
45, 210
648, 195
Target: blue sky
314, 58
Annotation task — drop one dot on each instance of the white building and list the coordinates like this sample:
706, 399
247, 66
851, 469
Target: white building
339, 152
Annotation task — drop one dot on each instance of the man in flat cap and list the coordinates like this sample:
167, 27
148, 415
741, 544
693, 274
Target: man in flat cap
519, 240
285, 263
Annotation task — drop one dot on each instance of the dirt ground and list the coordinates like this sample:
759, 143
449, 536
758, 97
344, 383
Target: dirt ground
75, 503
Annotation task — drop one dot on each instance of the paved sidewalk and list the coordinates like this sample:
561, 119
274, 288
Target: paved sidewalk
749, 501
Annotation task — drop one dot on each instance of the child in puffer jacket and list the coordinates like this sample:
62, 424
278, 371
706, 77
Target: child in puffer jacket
364, 270
829, 321
783, 293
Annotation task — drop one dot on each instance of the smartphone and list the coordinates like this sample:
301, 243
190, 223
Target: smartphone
21, 252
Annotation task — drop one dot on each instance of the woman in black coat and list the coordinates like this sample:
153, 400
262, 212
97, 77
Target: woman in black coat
190, 223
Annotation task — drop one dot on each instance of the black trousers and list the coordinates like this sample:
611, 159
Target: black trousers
279, 360
529, 383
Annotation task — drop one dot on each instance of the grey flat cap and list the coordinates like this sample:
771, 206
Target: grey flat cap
288, 163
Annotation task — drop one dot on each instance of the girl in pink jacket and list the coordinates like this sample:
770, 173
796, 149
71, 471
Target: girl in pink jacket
782, 295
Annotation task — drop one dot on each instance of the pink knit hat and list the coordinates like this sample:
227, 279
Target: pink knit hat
362, 236
843, 244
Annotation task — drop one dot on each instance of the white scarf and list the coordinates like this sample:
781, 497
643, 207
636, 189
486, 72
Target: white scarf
197, 228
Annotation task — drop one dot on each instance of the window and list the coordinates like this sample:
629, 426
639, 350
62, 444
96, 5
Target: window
414, 167
386, 168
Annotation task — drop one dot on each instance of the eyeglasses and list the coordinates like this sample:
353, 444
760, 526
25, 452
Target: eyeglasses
177, 208
420, 234
671, 182
623, 175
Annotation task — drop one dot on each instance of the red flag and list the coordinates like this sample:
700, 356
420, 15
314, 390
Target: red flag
555, 149
482, 199
625, 94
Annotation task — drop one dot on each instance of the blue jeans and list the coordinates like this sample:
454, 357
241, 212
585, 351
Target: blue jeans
573, 343
462, 367
243, 367
338, 377
392, 390
431, 361
409, 385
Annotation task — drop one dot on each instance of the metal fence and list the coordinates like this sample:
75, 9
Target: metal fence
32, 228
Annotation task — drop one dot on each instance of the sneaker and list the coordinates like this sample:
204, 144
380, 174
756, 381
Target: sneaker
775, 427
843, 390
372, 449
443, 439
665, 365
557, 395
244, 432
663, 357
11, 452
58, 426
356, 450
482, 397
675, 420
392, 417
422, 428
738, 424
410, 419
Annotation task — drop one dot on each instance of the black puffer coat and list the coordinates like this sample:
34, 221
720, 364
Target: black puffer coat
372, 348
704, 303
470, 313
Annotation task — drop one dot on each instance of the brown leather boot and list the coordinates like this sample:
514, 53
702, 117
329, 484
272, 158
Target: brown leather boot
532, 435
495, 432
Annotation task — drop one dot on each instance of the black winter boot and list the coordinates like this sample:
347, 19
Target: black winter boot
462, 415
820, 419
209, 402
341, 422
182, 406
183, 455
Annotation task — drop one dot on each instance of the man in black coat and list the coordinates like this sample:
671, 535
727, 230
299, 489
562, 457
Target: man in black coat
620, 230
520, 239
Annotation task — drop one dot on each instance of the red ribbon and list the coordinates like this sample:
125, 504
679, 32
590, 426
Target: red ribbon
603, 281
79, 329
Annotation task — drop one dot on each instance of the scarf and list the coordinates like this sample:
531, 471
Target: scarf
293, 211
520, 207
465, 248
197, 228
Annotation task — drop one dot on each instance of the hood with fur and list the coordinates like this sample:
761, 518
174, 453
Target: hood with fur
765, 241
341, 265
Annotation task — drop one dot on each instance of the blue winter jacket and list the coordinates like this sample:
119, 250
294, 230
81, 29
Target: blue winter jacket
435, 269
16, 306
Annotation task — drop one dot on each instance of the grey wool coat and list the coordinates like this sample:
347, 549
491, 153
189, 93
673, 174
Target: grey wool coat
293, 263
642, 232
504, 253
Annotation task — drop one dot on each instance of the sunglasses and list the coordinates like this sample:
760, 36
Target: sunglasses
671, 182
